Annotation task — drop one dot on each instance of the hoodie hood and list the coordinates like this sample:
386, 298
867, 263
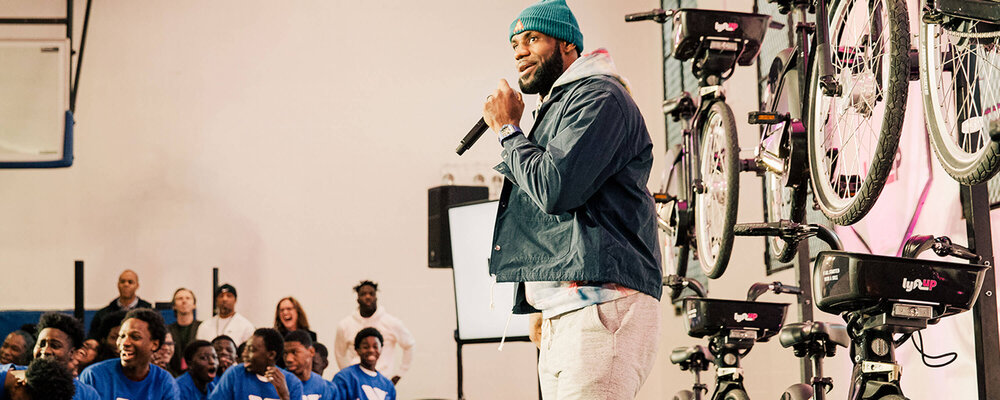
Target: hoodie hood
597, 62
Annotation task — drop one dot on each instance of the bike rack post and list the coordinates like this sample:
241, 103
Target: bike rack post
976, 210
803, 270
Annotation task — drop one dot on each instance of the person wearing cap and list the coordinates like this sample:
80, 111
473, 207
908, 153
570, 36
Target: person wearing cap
227, 322
576, 226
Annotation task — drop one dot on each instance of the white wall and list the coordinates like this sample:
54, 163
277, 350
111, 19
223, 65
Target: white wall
291, 144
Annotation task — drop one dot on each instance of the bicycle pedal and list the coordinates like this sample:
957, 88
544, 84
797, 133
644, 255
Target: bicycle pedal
663, 198
766, 118
751, 165
847, 186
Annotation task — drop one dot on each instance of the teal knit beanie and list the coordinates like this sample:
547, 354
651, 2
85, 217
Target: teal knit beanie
551, 17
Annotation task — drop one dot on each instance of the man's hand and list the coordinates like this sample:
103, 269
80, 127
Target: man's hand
278, 380
395, 379
535, 329
503, 107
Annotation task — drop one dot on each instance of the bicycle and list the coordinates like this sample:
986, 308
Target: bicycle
732, 328
701, 187
833, 109
959, 68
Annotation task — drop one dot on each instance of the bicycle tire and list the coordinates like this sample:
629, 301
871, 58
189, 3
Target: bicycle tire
798, 391
717, 201
736, 394
675, 258
975, 158
684, 395
846, 182
892, 397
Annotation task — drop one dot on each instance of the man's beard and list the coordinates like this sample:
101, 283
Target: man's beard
544, 76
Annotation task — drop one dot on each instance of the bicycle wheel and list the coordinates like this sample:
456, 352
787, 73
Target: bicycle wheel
675, 255
960, 76
684, 395
718, 196
853, 137
736, 394
798, 391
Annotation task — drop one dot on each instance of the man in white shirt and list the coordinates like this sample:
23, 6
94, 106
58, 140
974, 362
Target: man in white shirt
392, 329
228, 322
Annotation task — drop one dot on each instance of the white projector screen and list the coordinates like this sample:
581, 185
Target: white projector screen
471, 238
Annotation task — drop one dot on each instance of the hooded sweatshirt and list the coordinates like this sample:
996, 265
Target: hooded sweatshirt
393, 332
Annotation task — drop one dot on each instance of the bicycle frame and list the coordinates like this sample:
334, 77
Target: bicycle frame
801, 57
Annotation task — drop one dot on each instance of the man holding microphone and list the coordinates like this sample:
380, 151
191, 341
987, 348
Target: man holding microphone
576, 224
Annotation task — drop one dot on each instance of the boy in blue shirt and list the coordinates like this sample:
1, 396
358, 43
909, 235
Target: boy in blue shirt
362, 381
132, 376
258, 378
59, 337
198, 381
299, 355
45, 379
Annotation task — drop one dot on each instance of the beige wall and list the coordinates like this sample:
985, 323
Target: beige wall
291, 144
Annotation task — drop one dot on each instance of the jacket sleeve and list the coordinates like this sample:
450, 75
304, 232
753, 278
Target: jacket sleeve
405, 340
577, 159
341, 348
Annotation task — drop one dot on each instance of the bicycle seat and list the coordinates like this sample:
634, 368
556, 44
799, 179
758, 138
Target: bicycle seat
850, 282
695, 353
708, 317
811, 331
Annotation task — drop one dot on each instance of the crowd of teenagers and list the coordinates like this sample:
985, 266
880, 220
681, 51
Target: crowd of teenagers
130, 353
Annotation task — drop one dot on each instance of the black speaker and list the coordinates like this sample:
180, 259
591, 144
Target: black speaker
438, 234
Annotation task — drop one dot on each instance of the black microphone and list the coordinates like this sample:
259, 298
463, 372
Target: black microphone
471, 137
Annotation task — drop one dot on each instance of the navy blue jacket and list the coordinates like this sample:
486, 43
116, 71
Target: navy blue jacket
574, 206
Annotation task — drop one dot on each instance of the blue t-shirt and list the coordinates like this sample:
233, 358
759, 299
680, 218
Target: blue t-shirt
239, 384
354, 383
317, 389
84, 391
109, 379
3, 376
185, 384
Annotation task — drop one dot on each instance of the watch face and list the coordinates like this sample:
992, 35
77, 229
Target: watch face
506, 130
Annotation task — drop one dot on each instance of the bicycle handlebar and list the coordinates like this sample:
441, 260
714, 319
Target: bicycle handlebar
759, 288
658, 14
761, 228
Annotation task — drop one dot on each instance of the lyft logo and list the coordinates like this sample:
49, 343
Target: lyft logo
920, 284
726, 26
745, 317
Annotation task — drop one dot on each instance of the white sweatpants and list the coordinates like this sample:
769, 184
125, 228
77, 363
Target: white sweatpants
603, 351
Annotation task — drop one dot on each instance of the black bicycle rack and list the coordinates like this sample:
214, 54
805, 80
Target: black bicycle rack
718, 40
732, 328
881, 296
